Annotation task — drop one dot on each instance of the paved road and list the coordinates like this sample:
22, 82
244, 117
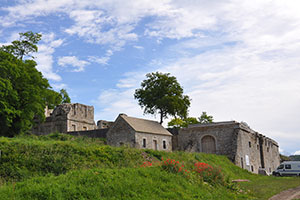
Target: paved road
290, 194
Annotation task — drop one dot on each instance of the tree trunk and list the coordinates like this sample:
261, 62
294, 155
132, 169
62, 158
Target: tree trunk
161, 117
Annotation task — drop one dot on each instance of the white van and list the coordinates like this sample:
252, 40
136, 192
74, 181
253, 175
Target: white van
288, 168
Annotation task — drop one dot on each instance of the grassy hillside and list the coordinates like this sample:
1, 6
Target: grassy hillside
60, 166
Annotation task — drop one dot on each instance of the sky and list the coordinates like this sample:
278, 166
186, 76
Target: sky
237, 60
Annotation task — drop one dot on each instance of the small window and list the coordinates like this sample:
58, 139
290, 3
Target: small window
242, 162
268, 149
249, 144
288, 167
84, 128
144, 143
73, 127
280, 167
252, 168
257, 147
164, 144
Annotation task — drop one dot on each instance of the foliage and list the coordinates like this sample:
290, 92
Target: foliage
23, 90
65, 96
284, 158
294, 157
24, 46
176, 123
181, 123
210, 174
163, 94
204, 118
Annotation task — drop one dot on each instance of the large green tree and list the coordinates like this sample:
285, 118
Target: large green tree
161, 93
24, 92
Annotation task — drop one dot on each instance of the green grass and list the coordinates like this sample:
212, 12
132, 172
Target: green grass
59, 166
125, 183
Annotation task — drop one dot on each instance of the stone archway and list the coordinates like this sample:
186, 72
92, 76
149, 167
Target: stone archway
208, 144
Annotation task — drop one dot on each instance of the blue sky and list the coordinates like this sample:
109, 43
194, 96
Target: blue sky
237, 60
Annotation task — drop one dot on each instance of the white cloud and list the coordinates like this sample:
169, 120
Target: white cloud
138, 47
73, 61
297, 153
44, 57
59, 86
101, 60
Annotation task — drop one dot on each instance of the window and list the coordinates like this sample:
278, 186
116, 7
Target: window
249, 144
84, 128
144, 143
155, 146
257, 147
268, 149
73, 127
288, 167
252, 168
280, 167
164, 144
242, 162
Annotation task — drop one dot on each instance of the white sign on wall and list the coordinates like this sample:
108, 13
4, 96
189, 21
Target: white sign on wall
247, 160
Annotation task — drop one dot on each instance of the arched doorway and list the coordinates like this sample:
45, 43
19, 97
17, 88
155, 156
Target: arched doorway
208, 144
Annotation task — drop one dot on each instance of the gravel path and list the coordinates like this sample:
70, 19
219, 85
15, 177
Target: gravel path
290, 194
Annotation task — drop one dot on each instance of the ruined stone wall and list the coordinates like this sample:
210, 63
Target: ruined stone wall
150, 144
104, 124
121, 134
189, 139
80, 117
67, 117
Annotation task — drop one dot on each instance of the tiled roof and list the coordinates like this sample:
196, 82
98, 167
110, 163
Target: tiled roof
145, 126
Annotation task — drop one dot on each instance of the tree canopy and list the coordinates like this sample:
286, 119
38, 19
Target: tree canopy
24, 46
161, 93
24, 92
182, 123
204, 118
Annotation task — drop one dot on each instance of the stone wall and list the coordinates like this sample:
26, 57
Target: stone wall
243, 146
67, 117
150, 141
189, 139
121, 134
248, 149
80, 117
271, 154
97, 133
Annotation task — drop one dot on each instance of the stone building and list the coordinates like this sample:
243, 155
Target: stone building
67, 117
243, 146
139, 133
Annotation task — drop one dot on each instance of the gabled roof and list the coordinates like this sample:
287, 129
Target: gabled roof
145, 126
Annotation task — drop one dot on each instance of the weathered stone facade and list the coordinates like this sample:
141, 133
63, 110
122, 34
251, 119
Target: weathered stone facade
67, 117
243, 146
139, 133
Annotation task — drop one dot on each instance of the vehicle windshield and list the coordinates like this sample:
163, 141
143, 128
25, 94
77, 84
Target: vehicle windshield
280, 167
